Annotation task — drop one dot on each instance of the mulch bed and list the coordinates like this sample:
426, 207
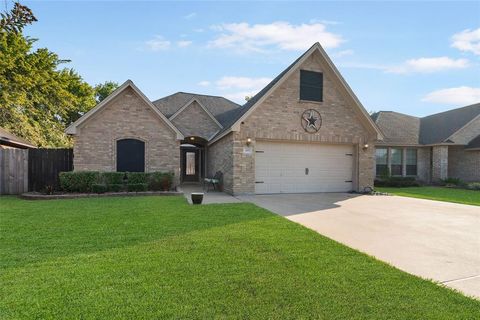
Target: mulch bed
42, 196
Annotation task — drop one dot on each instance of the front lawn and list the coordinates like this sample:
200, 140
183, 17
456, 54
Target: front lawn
437, 193
158, 257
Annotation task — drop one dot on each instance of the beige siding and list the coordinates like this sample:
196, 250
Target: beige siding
127, 116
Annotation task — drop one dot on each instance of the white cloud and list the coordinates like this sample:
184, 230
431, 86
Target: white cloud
242, 83
428, 65
239, 97
183, 43
454, 96
158, 43
344, 53
282, 35
190, 15
467, 40
204, 83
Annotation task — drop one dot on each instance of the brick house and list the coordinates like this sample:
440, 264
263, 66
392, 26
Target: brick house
431, 148
306, 131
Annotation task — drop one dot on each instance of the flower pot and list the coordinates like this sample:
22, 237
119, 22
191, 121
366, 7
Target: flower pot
197, 198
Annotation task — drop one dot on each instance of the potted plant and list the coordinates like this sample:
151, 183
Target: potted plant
197, 197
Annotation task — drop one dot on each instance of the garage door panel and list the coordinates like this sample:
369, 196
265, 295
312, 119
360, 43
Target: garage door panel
281, 168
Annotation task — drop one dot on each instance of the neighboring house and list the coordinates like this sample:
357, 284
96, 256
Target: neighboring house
440, 146
306, 131
8, 140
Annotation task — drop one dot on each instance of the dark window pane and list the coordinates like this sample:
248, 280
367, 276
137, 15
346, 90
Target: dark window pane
381, 170
396, 162
311, 85
411, 162
396, 170
130, 155
381, 161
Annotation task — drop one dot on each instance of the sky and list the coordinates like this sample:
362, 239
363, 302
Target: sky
412, 57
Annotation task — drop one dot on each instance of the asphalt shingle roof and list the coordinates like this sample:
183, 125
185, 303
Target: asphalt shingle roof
220, 107
437, 128
475, 143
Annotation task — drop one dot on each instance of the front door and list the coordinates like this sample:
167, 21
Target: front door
190, 165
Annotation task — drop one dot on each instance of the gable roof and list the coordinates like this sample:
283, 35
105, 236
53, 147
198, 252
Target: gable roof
439, 127
127, 84
220, 107
9, 139
257, 99
189, 103
474, 144
398, 128
434, 129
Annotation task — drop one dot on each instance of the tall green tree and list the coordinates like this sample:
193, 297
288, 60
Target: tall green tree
103, 90
38, 98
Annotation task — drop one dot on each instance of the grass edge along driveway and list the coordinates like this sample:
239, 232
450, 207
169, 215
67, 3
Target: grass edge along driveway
158, 257
462, 196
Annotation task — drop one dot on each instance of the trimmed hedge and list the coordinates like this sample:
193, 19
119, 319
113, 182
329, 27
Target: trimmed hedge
100, 182
397, 182
137, 187
79, 181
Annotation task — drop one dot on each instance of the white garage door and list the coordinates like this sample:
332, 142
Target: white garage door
301, 167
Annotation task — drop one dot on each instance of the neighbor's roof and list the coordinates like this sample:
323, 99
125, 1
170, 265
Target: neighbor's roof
434, 129
220, 107
7, 138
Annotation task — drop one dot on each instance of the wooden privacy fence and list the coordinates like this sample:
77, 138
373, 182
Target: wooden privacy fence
13, 171
44, 165
23, 170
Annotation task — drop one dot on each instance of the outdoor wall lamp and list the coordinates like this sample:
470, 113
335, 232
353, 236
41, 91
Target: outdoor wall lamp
249, 141
365, 146
192, 138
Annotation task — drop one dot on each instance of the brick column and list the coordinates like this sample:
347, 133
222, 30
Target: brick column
439, 163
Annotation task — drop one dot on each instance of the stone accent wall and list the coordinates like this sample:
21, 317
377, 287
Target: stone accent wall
463, 164
220, 158
423, 164
466, 134
194, 121
439, 163
127, 116
279, 118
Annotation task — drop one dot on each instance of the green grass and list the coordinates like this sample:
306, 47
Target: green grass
437, 193
158, 257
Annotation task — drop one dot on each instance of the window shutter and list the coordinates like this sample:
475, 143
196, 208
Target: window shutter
311, 85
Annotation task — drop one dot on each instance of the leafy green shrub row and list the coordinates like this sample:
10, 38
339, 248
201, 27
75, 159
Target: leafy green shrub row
473, 186
453, 181
397, 182
100, 182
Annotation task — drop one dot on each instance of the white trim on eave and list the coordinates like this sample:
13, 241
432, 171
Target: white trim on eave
201, 105
72, 129
316, 46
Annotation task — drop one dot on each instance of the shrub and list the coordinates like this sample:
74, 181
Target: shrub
160, 181
453, 181
115, 187
136, 177
397, 182
473, 186
99, 188
79, 181
137, 187
113, 177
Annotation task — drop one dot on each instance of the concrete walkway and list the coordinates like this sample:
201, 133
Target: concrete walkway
431, 239
209, 197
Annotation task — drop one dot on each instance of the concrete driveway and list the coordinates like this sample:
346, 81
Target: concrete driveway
431, 239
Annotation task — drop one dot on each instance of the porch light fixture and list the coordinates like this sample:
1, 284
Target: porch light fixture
192, 138
365, 146
249, 140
